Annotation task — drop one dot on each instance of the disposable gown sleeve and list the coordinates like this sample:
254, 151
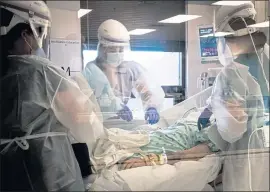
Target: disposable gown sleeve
263, 77
151, 93
73, 107
229, 105
95, 77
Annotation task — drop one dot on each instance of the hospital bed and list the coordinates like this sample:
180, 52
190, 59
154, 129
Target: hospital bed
119, 123
195, 171
167, 117
122, 180
196, 103
192, 107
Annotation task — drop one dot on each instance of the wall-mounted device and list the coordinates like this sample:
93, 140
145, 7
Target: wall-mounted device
176, 92
212, 74
207, 79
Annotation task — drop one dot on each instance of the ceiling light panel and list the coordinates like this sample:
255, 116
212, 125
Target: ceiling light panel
230, 3
141, 31
180, 18
83, 12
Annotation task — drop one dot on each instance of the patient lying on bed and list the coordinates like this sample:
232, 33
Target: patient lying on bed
181, 141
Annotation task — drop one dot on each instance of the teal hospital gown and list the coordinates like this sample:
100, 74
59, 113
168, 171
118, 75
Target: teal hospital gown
178, 137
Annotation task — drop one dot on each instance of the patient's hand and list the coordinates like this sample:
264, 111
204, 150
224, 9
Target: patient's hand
133, 163
148, 160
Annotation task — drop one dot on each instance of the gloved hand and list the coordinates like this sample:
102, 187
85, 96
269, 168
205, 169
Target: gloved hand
125, 113
204, 119
151, 115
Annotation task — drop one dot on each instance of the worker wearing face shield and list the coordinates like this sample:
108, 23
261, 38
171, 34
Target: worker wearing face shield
121, 78
237, 104
41, 107
251, 52
249, 56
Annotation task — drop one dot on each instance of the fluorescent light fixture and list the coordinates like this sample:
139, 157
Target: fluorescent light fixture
230, 3
141, 31
218, 34
260, 25
180, 18
83, 12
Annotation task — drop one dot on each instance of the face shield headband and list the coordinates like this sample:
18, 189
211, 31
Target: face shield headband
113, 42
41, 31
228, 23
39, 24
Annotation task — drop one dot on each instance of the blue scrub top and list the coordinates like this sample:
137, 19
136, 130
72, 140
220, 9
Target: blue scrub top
251, 60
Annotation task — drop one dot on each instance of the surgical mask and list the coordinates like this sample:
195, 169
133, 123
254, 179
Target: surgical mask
38, 52
114, 59
225, 55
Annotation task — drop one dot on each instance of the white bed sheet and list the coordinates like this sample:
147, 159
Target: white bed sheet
183, 176
149, 178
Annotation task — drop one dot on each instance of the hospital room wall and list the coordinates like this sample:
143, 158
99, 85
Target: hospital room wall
263, 14
65, 23
193, 60
262, 8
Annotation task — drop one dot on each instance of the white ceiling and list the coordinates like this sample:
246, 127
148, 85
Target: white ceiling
136, 14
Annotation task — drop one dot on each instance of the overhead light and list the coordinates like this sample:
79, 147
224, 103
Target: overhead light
180, 18
218, 34
230, 3
141, 31
260, 25
83, 12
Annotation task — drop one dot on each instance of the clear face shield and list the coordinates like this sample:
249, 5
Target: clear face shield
113, 53
247, 50
227, 45
41, 30
248, 47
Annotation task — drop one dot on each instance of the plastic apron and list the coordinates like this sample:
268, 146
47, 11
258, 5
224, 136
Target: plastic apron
241, 172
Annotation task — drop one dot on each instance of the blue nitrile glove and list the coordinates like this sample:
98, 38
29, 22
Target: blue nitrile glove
125, 113
204, 119
151, 115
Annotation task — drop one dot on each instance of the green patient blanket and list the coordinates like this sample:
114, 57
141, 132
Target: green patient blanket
178, 137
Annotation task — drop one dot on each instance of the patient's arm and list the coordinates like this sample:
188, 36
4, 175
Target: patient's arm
192, 154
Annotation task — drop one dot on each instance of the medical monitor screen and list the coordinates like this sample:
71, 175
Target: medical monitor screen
208, 44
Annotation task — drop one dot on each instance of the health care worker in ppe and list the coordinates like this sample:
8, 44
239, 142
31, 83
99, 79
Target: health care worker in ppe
235, 24
246, 54
121, 77
40, 106
237, 105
